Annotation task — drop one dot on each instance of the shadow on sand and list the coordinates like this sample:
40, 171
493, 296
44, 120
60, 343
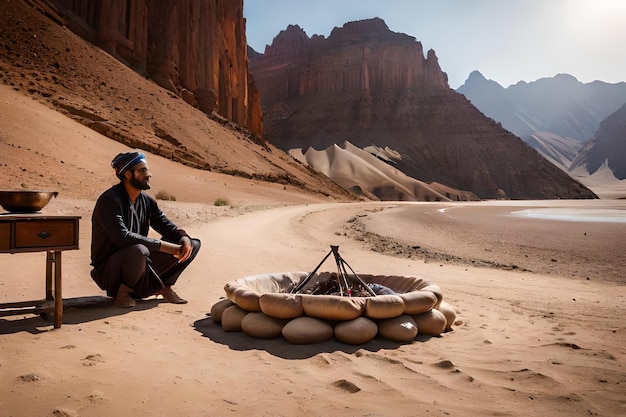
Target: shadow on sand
75, 311
281, 348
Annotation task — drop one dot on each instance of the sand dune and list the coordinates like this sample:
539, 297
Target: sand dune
358, 170
602, 182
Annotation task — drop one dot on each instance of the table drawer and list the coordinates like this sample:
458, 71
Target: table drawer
45, 233
5, 236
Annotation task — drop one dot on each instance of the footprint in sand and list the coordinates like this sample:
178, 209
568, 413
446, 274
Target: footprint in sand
97, 397
346, 386
91, 360
445, 364
29, 378
64, 412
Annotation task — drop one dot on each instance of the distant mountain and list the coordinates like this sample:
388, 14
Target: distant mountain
560, 105
371, 86
607, 147
556, 116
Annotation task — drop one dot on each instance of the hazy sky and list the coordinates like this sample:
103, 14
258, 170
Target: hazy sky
506, 40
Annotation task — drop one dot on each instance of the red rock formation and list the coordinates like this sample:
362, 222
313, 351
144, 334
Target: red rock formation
363, 56
194, 48
372, 86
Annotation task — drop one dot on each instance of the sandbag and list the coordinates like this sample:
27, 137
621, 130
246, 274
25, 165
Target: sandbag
399, 329
416, 302
281, 305
307, 330
434, 288
218, 308
231, 318
449, 311
357, 331
261, 326
384, 306
244, 297
333, 307
431, 323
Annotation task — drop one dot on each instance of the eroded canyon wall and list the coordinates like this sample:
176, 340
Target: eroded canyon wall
194, 48
363, 56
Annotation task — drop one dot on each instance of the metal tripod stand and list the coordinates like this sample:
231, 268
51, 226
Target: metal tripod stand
342, 275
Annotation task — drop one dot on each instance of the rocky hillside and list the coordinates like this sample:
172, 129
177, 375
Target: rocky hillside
371, 86
42, 58
559, 150
607, 147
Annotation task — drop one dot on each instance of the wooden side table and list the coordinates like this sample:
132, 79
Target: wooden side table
21, 233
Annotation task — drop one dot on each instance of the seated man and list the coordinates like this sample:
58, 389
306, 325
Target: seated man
128, 264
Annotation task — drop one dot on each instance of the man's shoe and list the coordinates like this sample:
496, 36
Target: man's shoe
124, 301
171, 297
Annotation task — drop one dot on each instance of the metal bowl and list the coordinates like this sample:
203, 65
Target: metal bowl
25, 201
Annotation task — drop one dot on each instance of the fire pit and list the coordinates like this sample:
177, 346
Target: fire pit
314, 307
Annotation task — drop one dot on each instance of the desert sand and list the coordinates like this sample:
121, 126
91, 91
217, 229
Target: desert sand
540, 302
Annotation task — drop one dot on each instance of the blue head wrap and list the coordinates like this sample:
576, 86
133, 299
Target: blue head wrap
125, 161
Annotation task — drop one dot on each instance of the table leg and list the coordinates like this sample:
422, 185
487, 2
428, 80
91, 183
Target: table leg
58, 293
49, 262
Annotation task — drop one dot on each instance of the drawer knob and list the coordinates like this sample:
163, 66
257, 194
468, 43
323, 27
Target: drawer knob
43, 234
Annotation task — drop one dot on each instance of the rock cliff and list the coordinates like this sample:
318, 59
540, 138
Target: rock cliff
194, 48
372, 86
607, 147
360, 57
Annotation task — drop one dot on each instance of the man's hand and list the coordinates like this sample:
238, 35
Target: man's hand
185, 249
182, 251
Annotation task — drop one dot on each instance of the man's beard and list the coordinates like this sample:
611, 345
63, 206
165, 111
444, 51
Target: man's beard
138, 184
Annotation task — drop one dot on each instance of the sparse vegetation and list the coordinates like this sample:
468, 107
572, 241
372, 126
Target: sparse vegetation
221, 202
164, 195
